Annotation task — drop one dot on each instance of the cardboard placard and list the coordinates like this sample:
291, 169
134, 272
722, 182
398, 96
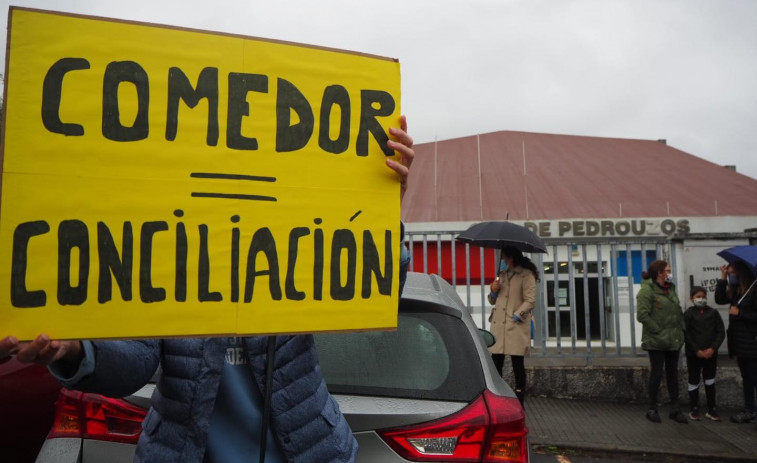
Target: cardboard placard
159, 181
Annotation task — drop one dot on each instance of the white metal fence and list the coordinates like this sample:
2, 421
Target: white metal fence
585, 297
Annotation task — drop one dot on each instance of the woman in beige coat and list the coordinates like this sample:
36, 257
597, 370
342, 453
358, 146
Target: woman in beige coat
513, 294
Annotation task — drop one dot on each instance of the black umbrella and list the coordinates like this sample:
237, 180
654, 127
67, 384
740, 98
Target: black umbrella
501, 234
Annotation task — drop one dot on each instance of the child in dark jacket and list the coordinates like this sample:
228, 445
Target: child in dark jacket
705, 333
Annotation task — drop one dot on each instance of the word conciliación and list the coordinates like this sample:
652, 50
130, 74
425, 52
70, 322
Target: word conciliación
349, 251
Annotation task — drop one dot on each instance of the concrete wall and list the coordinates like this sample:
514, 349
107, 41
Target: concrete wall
619, 380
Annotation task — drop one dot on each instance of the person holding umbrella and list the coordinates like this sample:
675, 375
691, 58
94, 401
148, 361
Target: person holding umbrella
662, 336
513, 295
738, 291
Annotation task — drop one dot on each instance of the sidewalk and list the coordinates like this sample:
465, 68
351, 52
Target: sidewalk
611, 427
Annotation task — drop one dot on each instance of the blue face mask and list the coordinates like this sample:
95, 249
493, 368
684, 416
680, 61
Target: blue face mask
733, 279
502, 266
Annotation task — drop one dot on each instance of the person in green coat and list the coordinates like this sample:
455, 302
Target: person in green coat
658, 309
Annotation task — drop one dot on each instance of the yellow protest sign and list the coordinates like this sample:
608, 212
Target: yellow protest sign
159, 181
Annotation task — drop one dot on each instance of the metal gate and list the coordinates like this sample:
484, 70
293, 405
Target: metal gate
586, 295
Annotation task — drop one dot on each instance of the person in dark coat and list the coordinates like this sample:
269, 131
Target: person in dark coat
705, 332
737, 289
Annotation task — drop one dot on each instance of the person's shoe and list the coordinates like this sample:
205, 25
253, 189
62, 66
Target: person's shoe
678, 417
713, 414
744, 417
694, 414
653, 416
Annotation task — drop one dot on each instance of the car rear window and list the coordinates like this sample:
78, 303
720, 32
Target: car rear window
429, 356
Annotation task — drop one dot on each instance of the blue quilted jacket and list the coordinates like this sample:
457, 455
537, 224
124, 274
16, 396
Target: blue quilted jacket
305, 418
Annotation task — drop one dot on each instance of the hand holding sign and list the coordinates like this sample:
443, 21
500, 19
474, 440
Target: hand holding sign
44, 351
405, 148
41, 351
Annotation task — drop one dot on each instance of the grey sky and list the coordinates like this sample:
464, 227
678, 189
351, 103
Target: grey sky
682, 70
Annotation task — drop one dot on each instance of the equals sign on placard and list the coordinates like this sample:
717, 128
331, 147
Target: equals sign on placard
235, 177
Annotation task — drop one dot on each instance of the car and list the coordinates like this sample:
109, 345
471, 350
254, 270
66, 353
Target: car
427, 391
27, 407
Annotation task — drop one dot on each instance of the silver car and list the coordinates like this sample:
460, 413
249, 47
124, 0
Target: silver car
425, 392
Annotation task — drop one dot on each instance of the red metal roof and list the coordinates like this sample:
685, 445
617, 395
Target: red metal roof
535, 176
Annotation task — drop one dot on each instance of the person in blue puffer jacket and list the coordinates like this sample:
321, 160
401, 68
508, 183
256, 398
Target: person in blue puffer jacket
208, 403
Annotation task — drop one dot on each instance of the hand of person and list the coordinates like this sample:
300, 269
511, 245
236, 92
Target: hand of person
700, 354
723, 272
8, 346
405, 149
708, 353
495, 286
734, 310
44, 351
516, 318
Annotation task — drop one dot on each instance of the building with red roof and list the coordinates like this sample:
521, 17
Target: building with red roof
535, 176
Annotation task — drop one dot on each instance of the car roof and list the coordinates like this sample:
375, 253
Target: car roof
433, 293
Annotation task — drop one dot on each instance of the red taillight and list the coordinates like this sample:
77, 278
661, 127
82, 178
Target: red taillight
489, 429
92, 416
507, 437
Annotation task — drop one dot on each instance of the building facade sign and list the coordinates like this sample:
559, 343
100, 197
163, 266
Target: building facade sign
609, 228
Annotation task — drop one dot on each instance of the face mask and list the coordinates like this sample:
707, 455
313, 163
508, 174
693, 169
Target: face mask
733, 279
669, 278
502, 266
700, 302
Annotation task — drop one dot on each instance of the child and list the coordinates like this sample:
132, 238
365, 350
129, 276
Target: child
705, 333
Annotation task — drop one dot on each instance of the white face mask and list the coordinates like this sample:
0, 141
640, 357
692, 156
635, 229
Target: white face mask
669, 278
700, 301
